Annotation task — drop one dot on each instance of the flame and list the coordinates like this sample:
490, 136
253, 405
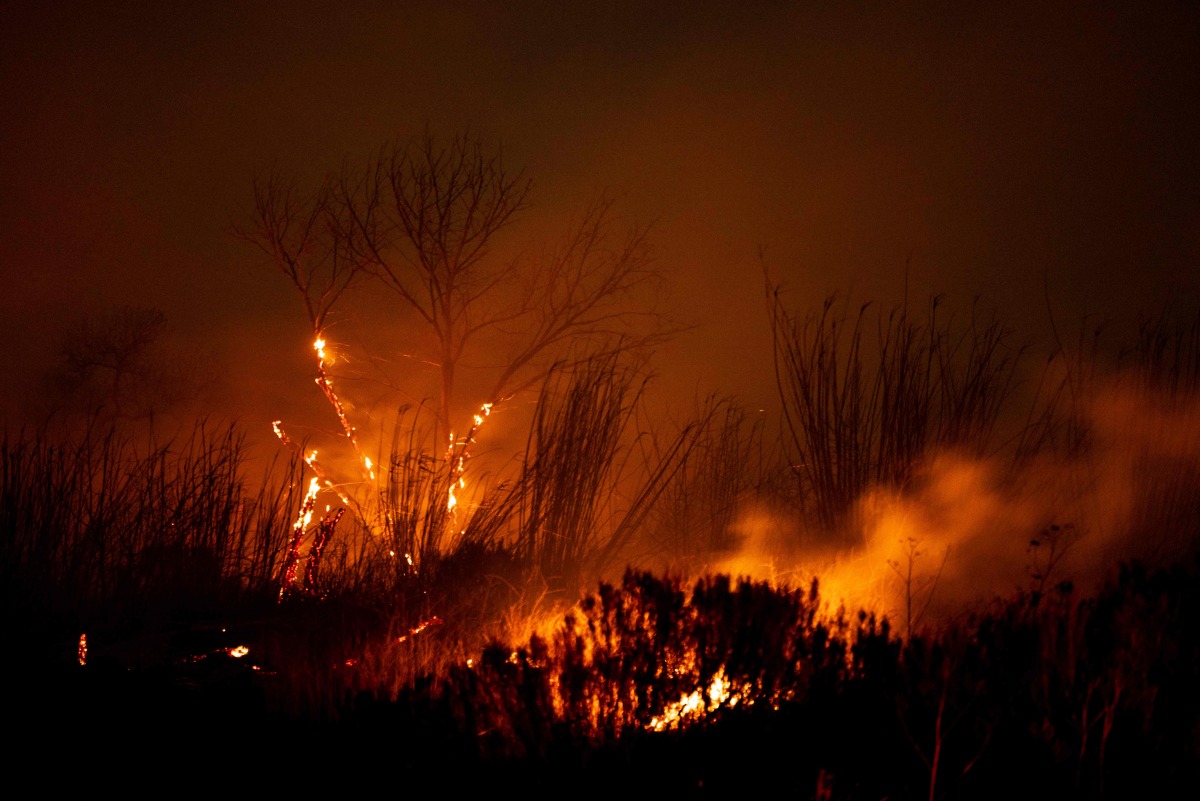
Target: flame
459, 459
456, 458
420, 627
298, 528
720, 692
486, 410
306, 508
237, 651
323, 381
315, 551
83, 649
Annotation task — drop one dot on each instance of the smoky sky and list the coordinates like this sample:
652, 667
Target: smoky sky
1038, 156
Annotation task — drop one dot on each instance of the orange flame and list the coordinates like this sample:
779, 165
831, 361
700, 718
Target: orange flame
459, 459
326, 386
298, 528
433, 621
720, 693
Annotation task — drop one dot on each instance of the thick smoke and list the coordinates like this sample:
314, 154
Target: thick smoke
970, 529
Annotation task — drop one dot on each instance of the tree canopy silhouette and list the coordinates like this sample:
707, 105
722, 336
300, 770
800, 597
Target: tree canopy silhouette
422, 219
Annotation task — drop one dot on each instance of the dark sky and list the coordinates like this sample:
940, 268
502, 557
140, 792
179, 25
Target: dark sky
1014, 151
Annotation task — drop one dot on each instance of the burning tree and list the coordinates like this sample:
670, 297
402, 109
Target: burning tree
421, 219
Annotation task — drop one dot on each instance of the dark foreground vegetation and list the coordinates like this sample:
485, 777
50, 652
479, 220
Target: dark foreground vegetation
1056, 696
172, 625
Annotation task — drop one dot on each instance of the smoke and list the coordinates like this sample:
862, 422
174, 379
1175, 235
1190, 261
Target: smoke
970, 529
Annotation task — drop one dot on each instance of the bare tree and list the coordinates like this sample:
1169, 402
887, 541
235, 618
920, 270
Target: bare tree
302, 234
422, 218
115, 366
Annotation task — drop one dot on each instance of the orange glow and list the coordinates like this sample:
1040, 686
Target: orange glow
698, 703
303, 518
459, 460
83, 649
485, 410
238, 651
306, 511
326, 385
433, 621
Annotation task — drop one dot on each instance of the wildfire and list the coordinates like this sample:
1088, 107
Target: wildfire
457, 455
323, 381
310, 459
486, 409
326, 386
298, 528
304, 516
433, 621
456, 458
697, 703
234, 651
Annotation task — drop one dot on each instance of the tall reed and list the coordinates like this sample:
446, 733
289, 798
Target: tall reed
862, 410
106, 531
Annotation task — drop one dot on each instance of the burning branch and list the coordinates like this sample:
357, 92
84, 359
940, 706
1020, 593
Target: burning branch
420, 627
456, 456
324, 532
326, 386
298, 529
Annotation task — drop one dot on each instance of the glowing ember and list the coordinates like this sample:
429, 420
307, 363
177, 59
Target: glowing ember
298, 528
459, 460
326, 386
83, 649
324, 532
238, 651
433, 621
